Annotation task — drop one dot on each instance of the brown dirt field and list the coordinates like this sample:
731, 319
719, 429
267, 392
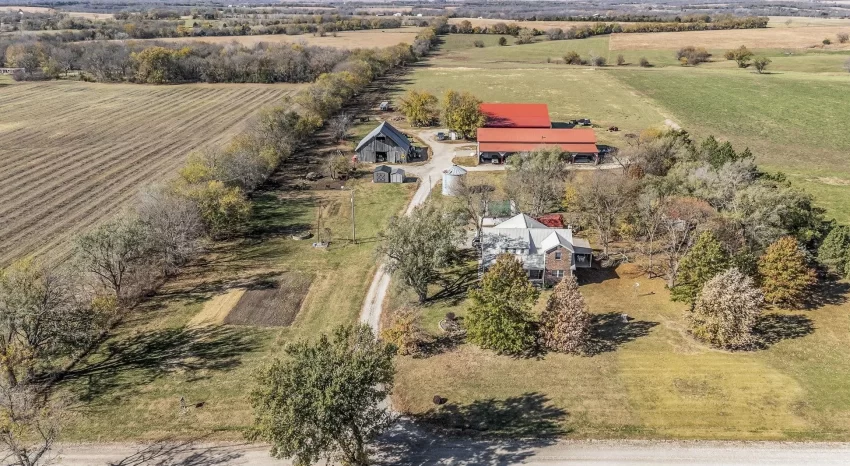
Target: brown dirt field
768, 38
75, 153
275, 305
347, 39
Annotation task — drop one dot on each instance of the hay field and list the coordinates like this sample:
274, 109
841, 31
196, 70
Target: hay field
74, 153
767, 38
377, 38
539, 25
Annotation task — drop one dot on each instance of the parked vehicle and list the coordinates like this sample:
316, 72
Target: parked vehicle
441, 136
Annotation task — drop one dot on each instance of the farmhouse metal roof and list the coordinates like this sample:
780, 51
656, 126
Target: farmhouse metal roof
516, 115
387, 130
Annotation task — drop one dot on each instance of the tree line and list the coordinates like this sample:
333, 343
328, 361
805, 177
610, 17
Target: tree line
601, 28
166, 63
52, 318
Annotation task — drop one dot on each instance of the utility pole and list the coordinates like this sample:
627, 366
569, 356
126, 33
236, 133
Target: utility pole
353, 229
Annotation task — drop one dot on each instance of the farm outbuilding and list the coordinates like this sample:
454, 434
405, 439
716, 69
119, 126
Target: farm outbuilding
385, 174
452, 180
384, 144
498, 143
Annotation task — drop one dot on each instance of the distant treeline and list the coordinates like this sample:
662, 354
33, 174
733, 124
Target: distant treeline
580, 32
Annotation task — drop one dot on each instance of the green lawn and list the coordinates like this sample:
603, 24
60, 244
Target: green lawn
650, 379
132, 389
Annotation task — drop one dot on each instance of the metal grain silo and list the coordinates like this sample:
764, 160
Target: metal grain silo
452, 179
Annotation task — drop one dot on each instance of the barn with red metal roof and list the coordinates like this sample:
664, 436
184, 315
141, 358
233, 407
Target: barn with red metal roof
516, 115
495, 144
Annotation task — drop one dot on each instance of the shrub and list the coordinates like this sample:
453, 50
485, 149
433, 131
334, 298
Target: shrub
827, 42
525, 36
405, 332
621, 60
834, 252
565, 323
691, 55
503, 41
760, 63
572, 58
479, 44
784, 274
843, 37
644, 62
703, 262
727, 310
598, 61
742, 55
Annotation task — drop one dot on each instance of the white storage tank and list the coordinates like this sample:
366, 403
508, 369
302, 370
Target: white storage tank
452, 179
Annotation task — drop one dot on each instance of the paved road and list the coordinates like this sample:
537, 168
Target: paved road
462, 453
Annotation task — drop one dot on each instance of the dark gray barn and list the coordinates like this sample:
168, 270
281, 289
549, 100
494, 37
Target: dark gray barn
384, 144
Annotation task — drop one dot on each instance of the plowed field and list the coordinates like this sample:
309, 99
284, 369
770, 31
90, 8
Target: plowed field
73, 153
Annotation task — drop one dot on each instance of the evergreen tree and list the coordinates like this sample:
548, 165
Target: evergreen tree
701, 263
784, 274
500, 316
727, 310
835, 250
565, 323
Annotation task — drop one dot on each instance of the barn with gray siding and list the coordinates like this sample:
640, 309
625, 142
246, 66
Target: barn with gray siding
385, 144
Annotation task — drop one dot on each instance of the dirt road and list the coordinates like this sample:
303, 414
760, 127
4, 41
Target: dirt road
427, 451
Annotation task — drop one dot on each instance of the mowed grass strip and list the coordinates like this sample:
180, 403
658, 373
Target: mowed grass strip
649, 378
132, 388
74, 153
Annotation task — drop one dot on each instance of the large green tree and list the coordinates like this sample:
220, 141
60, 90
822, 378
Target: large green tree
417, 245
500, 316
834, 252
565, 323
728, 308
784, 273
461, 112
700, 264
324, 400
419, 107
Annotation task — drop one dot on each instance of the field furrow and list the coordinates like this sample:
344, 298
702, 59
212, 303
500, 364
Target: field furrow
76, 153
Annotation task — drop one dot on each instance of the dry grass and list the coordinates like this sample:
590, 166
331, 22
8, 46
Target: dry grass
273, 304
75, 153
73, 14
797, 22
539, 25
347, 39
217, 309
768, 38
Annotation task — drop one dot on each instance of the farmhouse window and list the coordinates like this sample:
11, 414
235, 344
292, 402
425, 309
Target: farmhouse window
559, 273
557, 255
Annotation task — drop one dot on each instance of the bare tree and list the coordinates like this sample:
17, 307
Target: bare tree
682, 217
115, 253
475, 198
174, 226
340, 125
536, 179
29, 425
604, 200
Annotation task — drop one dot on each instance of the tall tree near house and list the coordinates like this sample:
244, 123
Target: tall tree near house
500, 315
324, 400
681, 219
700, 264
340, 125
535, 180
416, 246
461, 112
475, 197
419, 107
565, 323
834, 252
604, 200
784, 274
650, 216
173, 224
115, 253
726, 311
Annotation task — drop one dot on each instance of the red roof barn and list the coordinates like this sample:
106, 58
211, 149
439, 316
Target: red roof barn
516, 115
511, 140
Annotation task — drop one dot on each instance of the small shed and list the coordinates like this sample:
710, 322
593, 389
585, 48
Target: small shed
452, 179
397, 175
382, 174
384, 144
